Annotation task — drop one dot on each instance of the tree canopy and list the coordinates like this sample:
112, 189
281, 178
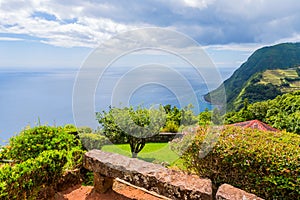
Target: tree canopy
131, 125
282, 113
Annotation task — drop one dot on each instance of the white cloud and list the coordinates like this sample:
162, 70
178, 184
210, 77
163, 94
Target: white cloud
10, 39
198, 3
86, 31
210, 22
294, 38
235, 47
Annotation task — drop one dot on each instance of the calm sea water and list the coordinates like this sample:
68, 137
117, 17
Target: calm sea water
28, 97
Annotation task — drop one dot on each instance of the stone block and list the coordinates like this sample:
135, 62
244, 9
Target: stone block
102, 183
153, 177
228, 192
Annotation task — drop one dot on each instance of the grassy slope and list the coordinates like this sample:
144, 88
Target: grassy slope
276, 77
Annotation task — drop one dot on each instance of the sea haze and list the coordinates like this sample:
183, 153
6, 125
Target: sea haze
28, 97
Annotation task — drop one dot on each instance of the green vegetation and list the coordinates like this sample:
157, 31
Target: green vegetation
41, 155
269, 84
257, 92
263, 163
23, 180
31, 142
282, 113
286, 80
134, 126
276, 76
278, 57
152, 152
142, 123
177, 118
93, 140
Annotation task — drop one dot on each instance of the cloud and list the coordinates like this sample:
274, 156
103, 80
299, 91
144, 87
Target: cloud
250, 47
198, 3
49, 23
88, 23
10, 39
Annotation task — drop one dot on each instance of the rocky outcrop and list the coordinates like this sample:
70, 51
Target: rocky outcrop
228, 192
153, 177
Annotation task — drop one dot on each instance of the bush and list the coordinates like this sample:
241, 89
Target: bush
31, 142
93, 140
84, 129
170, 127
21, 181
41, 155
282, 113
263, 163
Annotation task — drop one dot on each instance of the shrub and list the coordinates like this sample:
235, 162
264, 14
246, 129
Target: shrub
31, 142
70, 128
170, 127
93, 140
22, 180
263, 163
282, 113
42, 155
84, 129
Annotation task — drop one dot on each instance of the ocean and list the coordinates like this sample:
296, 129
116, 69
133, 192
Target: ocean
32, 97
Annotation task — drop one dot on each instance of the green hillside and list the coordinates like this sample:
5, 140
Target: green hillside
287, 80
253, 80
268, 84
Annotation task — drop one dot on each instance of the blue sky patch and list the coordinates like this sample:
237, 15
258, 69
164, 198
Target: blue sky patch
20, 36
70, 21
44, 15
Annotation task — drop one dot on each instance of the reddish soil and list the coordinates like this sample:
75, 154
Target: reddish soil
120, 192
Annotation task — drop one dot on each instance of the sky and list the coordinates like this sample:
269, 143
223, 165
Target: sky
61, 34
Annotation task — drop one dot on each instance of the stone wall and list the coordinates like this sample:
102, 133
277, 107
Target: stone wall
228, 192
164, 137
153, 177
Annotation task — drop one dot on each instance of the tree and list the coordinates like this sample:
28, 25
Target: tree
216, 117
187, 116
205, 117
173, 115
208, 117
283, 112
134, 126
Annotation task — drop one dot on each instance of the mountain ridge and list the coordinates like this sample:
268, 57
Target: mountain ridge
280, 56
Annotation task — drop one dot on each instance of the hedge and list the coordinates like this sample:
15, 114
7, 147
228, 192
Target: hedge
29, 143
41, 156
264, 163
93, 140
21, 181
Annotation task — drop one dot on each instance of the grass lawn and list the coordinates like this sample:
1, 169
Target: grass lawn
152, 152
